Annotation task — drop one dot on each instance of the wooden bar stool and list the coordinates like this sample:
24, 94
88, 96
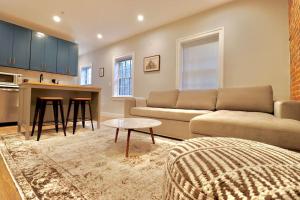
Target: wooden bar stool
77, 102
40, 109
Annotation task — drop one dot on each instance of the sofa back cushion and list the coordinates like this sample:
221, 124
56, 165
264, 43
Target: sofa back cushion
197, 99
163, 99
254, 99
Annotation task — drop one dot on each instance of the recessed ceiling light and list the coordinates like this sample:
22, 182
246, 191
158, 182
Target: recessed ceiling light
56, 18
99, 36
140, 18
40, 34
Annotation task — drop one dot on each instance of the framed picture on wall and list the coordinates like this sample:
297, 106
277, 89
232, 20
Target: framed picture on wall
101, 72
152, 63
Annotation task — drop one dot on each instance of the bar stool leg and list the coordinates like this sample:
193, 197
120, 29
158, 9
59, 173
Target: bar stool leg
83, 113
60, 102
55, 111
76, 107
37, 108
41, 118
68, 114
91, 116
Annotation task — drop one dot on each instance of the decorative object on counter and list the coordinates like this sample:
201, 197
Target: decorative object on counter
25, 80
101, 72
152, 63
54, 81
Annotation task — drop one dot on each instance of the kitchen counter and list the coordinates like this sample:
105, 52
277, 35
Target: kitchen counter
30, 91
52, 86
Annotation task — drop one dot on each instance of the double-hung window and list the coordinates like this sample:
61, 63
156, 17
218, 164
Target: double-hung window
86, 75
200, 60
123, 80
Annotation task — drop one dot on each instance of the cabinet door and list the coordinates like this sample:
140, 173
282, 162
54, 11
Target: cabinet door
6, 41
73, 52
50, 54
62, 57
37, 51
21, 47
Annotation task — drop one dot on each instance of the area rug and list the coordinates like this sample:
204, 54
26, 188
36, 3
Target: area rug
87, 165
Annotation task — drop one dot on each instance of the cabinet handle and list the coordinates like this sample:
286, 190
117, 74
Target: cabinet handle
14, 61
9, 61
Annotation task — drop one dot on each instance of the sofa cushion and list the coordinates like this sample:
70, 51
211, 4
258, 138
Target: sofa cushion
167, 113
255, 99
256, 126
163, 99
197, 99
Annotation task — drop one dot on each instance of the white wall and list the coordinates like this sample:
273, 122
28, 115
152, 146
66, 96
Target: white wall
256, 49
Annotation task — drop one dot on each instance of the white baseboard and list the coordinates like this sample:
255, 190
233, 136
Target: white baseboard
109, 114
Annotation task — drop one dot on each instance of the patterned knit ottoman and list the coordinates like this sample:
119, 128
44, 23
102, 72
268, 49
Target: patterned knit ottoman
229, 168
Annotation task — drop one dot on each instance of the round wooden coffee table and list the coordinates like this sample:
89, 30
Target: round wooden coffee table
131, 124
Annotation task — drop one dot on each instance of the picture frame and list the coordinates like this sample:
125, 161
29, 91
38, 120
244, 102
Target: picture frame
101, 72
152, 63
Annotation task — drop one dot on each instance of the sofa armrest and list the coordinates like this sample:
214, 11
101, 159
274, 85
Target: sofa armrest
140, 102
287, 109
133, 102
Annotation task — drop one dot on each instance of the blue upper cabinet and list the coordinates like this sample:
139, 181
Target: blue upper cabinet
27, 49
43, 52
15, 45
63, 57
37, 51
73, 59
67, 58
6, 41
50, 60
21, 47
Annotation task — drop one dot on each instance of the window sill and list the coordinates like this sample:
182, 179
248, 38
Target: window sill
118, 98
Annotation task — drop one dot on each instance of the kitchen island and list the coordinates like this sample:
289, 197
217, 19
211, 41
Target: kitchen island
30, 91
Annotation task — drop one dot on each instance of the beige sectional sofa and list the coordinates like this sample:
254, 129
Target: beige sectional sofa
248, 113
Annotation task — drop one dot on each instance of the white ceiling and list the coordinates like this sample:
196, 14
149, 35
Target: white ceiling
114, 19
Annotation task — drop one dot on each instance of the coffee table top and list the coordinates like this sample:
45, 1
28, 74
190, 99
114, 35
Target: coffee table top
132, 123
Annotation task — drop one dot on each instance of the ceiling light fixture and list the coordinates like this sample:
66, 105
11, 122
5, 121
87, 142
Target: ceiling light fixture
99, 36
40, 34
56, 18
140, 18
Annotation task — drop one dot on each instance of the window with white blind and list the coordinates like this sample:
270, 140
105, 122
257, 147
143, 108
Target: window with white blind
86, 75
200, 61
123, 76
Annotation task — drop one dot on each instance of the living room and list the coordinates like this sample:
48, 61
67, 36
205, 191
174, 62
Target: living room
156, 100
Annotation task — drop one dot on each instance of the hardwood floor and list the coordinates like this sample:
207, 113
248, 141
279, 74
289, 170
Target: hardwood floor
8, 190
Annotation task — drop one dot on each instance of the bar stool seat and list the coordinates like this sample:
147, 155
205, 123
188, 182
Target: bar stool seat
40, 109
51, 98
79, 101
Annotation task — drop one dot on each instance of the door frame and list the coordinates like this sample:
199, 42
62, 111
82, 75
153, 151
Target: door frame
179, 53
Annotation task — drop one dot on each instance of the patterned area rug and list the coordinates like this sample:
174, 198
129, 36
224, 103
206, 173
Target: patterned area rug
88, 165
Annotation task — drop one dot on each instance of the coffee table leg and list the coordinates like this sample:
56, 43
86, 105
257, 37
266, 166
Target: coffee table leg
152, 135
117, 132
128, 139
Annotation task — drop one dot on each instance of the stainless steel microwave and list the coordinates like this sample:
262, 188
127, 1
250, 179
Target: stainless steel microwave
9, 80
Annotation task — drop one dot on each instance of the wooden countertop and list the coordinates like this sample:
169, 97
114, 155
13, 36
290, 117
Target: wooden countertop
51, 86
